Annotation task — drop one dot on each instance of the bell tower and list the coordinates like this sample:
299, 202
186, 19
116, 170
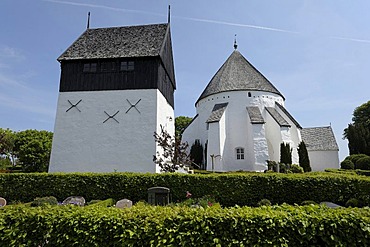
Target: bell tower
116, 89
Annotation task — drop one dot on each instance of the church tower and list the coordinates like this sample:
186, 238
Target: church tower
116, 89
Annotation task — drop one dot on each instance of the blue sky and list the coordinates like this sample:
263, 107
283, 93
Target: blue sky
317, 53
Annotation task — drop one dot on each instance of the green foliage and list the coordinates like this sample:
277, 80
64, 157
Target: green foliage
347, 164
181, 123
196, 153
42, 201
142, 225
294, 168
101, 203
355, 157
358, 132
353, 202
285, 153
363, 163
33, 149
173, 154
264, 202
227, 189
7, 139
304, 160
309, 202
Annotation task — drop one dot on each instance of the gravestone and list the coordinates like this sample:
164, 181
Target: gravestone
159, 196
75, 200
330, 205
2, 202
124, 203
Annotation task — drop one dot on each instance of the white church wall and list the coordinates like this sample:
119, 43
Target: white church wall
273, 136
260, 147
238, 130
321, 160
213, 148
165, 118
90, 141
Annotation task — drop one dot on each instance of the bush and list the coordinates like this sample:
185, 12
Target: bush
347, 164
264, 202
363, 163
227, 189
309, 202
42, 201
294, 168
353, 202
181, 226
355, 157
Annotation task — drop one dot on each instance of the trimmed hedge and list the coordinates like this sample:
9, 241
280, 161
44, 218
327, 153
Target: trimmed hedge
228, 190
183, 226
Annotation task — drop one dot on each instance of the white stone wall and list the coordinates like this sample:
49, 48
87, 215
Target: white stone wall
320, 160
83, 143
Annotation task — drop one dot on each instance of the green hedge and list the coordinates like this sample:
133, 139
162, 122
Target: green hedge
228, 190
182, 226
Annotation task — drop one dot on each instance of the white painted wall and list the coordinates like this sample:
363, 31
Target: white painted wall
320, 160
83, 143
239, 131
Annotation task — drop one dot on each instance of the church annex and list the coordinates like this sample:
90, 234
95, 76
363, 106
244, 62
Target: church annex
241, 121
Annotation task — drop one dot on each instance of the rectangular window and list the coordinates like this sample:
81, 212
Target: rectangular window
240, 153
127, 66
108, 66
89, 67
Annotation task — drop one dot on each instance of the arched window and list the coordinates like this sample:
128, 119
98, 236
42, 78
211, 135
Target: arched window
239, 153
249, 94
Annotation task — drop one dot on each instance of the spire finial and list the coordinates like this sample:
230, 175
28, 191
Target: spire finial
88, 20
235, 44
169, 13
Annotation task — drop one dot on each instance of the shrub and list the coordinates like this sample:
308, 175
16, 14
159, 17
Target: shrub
353, 202
347, 164
180, 226
42, 201
264, 202
363, 163
294, 168
227, 189
355, 157
308, 202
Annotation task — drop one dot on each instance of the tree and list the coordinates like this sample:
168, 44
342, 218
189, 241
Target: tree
173, 153
358, 132
7, 139
181, 123
285, 153
304, 160
33, 149
196, 153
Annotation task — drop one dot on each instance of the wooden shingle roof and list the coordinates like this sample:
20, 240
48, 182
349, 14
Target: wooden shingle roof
238, 74
118, 42
255, 115
277, 116
319, 139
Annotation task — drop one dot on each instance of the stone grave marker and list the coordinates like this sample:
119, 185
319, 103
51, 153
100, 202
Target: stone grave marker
124, 203
2, 202
75, 200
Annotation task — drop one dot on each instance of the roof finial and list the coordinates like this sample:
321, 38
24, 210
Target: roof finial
235, 44
169, 13
88, 20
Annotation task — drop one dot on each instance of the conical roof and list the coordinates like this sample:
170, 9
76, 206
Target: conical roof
237, 74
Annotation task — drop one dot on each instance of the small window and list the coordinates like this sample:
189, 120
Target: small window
249, 94
89, 67
108, 66
127, 66
240, 153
